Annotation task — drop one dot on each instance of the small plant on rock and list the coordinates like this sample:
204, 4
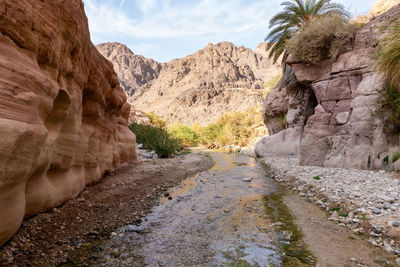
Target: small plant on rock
395, 157
388, 63
388, 58
389, 108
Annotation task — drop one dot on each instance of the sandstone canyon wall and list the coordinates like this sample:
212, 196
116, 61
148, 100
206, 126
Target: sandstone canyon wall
197, 88
324, 114
63, 114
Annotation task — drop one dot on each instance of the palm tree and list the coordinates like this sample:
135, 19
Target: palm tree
297, 14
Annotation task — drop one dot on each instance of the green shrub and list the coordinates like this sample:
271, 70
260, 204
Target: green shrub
156, 120
389, 108
157, 139
282, 121
320, 39
209, 134
184, 133
395, 157
233, 128
388, 57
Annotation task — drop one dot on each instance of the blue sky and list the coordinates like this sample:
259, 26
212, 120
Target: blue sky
167, 29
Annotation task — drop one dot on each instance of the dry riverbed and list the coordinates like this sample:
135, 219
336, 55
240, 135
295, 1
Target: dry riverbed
119, 199
234, 214
366, 202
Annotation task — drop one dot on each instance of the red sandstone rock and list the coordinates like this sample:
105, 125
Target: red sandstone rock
342, 132
63, 115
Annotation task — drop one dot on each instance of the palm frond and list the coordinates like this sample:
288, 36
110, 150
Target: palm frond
295, 14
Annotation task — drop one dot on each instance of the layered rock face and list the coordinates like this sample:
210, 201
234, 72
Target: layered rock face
133, 70
203, 86
63, 115
325, 114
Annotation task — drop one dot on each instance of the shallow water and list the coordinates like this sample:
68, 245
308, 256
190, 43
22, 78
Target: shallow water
231, 215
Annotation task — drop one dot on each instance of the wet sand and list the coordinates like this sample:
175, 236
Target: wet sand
332, 244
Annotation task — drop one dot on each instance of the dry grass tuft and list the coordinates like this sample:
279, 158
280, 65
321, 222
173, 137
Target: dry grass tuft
320, 39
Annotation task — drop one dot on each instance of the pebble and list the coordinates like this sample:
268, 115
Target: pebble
247, 179
334, 216
376, 211
139, 146
395, 224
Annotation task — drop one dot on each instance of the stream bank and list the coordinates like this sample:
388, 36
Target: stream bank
366, 202
232, 215
123, 197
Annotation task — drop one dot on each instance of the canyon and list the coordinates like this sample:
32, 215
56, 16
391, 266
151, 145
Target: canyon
84, 192
198, 88
63, 114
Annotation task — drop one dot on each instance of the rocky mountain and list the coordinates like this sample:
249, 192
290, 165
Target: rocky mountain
324, 114
203, 86
133, 70
63, 114
381, 6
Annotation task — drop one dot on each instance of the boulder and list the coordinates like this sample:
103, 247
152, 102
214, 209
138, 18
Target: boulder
63, 114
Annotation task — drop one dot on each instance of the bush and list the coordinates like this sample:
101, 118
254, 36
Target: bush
389, 108
210, 134
271, 84
320, 39
233, 128
395, 157
187, 135
388, 58
156, 120
158, 139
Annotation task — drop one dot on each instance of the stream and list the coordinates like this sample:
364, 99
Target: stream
231, 215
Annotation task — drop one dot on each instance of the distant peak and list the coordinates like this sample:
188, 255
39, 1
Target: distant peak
115, 46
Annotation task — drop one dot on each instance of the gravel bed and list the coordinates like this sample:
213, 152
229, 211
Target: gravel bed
368, 202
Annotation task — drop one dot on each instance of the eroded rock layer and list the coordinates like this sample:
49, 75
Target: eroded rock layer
325, 114
63, 114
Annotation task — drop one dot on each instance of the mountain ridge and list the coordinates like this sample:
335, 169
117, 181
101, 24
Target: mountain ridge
197, 88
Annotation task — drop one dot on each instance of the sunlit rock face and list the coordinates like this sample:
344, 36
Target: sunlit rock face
324, 114
198, 88
63, 114
381, 6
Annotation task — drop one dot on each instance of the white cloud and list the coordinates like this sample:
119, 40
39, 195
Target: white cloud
121, 4
172, 19
147, 5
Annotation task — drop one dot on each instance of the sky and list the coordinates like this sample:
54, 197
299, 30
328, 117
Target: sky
168, 29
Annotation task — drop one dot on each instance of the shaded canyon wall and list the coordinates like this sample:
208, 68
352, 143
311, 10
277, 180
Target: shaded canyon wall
63, 114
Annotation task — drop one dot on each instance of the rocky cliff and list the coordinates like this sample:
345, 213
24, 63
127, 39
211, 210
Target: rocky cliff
133, 70
381, 6
63, 114
323, 114
200, 87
